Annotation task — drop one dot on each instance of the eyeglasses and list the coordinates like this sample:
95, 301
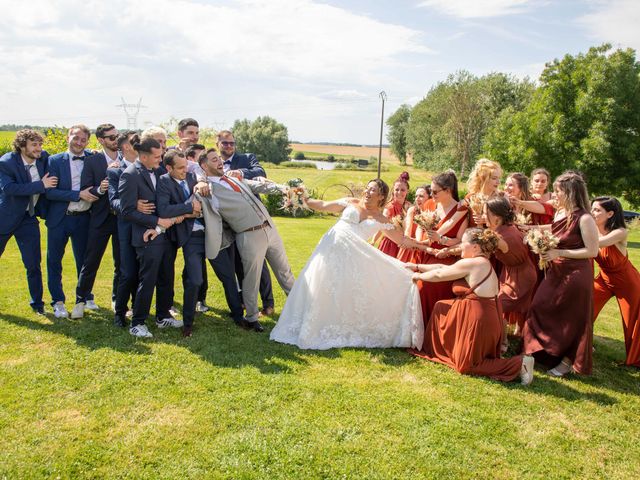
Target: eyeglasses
227, 144
111, 137
435, 192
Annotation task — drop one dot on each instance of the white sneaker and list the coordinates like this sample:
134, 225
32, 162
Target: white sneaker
526, 370
201, 307
59, 310
91, 305
140, 331
78, 310
173, 311
168, 322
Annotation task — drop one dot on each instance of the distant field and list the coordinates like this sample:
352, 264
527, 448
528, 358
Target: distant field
358, 152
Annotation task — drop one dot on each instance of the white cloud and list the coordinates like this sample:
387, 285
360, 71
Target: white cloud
478, 8
615, 22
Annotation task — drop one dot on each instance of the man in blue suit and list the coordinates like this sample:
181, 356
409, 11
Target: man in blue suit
128, 274
23, 183
139, 182
103, 225
245, 166
67, 213
175, 199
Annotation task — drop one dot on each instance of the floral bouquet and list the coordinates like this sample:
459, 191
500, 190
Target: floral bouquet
427, 220
523, 218
476, 202
541, 241
398, 221
294, 193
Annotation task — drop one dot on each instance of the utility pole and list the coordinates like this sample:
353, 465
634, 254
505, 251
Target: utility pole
383, 96
132, 116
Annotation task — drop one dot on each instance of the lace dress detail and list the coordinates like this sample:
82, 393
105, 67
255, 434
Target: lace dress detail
349, 294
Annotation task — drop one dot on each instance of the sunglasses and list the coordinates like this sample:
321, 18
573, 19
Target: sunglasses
111, 137
227, 144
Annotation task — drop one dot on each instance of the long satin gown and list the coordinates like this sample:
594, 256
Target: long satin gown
560, 320
619, 278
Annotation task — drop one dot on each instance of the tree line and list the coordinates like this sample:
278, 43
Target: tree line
583, 113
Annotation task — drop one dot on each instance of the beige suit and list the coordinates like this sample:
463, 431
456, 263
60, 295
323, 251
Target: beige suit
256, 235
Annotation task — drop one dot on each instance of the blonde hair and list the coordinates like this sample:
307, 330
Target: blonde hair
152, 132
481, 174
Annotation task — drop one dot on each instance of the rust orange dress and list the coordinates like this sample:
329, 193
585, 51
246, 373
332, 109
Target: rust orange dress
543, 218
387, 245
618, 277
430, 292
560, 321
408, 254
465, 334
518, 276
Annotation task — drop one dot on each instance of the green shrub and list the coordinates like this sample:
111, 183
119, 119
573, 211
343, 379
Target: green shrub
298, 164
299, 156
331, 158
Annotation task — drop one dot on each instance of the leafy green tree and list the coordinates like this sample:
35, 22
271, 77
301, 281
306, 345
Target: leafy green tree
397, 134
447, 128
265, 137
585, 115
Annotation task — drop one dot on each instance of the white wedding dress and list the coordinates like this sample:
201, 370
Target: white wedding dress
350, 294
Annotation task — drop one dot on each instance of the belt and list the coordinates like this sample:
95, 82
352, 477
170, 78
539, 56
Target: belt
75, 213
257, 227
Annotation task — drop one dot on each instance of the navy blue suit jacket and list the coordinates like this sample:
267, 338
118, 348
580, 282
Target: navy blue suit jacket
15, 190
94, 171
60, 196
248, 163
171, 203
135, 184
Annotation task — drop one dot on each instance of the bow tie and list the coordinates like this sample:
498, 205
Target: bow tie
76, 157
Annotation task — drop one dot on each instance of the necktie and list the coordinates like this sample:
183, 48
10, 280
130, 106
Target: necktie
31, 209
235, 187
185, 189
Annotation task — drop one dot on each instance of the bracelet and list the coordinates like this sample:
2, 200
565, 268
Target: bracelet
443, 240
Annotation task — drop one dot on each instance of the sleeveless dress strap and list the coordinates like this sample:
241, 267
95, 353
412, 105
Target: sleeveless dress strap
471, 290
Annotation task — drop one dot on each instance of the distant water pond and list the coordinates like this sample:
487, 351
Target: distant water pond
320, 165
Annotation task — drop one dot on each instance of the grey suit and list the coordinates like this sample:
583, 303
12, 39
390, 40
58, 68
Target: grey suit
256, 235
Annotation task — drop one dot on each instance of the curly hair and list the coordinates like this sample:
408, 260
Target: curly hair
486, 239
481, 174
23, 136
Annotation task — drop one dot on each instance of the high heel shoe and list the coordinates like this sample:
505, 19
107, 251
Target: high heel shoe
560, 370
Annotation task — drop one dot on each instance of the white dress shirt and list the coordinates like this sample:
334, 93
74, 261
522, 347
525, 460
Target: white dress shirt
35, 177
76, 167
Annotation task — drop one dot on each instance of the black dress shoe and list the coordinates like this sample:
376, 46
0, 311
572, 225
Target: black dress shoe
38, 310
256, 327
119, 321
242, 323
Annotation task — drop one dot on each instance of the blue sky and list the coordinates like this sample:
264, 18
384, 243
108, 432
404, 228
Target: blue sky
315, 66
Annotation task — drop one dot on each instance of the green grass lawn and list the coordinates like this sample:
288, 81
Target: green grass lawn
82, 399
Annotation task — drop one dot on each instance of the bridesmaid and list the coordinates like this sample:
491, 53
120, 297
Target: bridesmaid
423, 201
465, 333
539, 203
448, 233
483, 183
617, 277
397, 206
559, 326
518, 274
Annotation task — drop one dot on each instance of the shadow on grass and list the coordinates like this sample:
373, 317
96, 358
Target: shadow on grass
216, 340
633, 244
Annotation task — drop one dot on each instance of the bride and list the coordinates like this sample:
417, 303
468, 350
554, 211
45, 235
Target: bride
349, 293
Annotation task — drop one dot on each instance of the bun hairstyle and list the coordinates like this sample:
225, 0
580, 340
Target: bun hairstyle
501, 207
486, 239
403, 178
382, 187
144, 146
448, 181
611, 204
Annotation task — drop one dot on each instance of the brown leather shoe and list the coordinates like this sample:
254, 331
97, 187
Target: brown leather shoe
267, 311
187, 332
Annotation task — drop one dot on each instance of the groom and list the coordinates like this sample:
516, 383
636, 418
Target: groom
234, 202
